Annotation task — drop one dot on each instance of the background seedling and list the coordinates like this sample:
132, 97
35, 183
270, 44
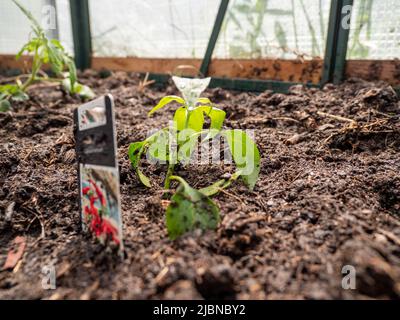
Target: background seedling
44, 51
190, 208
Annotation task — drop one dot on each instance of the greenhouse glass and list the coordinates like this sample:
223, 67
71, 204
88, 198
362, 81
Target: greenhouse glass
52, 14
274, 29
182, 30
372, 37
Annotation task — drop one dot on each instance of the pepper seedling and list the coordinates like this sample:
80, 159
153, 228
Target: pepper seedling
190, 208
43, 51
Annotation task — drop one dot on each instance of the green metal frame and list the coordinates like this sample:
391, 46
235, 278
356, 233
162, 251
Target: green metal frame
239, 84
81, 33
336, 43
214, 36
334, 60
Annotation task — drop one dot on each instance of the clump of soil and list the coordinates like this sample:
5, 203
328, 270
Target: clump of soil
328, 196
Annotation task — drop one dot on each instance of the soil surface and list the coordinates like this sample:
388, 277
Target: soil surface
328, 196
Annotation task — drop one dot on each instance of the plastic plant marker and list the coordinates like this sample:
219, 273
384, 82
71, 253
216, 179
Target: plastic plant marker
98, 175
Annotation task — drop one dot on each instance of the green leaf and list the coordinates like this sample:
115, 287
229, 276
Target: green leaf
204, 101
164, 101
56, 43
82, 90
29, 47
220, 184
159, 146
14, 91
213, 189
187, 141
54, 56
196, 120
180, 118
134, 153
5, 105
71, 72
9, 89
190, 209
217, 117
143, 178
245, 154
19, 96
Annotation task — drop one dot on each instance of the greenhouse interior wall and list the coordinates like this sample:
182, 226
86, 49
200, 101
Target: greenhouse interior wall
276, 40
200, 150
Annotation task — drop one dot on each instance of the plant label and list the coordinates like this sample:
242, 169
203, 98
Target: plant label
98, 176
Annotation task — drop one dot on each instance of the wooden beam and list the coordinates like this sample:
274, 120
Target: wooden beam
155, 65
373, 70
281, 70
275, 69
307, 71
8, 61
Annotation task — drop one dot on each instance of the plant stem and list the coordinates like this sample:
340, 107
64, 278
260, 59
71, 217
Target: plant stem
28, 82
36, 64
171, 166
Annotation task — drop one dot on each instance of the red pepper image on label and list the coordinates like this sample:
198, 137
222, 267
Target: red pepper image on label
96, 209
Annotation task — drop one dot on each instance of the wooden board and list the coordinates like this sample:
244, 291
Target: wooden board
373, 70
283, 70
153, 65
268, 69
8, 61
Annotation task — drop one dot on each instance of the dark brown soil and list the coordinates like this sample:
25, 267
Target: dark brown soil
328, 196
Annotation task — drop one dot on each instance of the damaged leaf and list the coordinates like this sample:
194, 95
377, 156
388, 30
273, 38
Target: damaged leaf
190, 209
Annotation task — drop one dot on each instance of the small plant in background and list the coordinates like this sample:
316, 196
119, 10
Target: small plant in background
44, 51
190, 208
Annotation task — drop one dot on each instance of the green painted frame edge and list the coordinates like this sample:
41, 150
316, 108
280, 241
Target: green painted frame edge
336, 43
82, 39
240, 84
214, 36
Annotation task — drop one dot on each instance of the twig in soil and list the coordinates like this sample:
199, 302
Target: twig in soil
27, 155
42, 235
10, 211
88, 294
296, 177
143, 84
340, 118
159, 278
43, 85
391, 236
298, 137
379, 131
326, 141
232, 195
286, 118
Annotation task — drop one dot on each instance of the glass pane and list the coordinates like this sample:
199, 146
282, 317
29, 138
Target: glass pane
274, 29
51, 14
157, 28
375, 30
